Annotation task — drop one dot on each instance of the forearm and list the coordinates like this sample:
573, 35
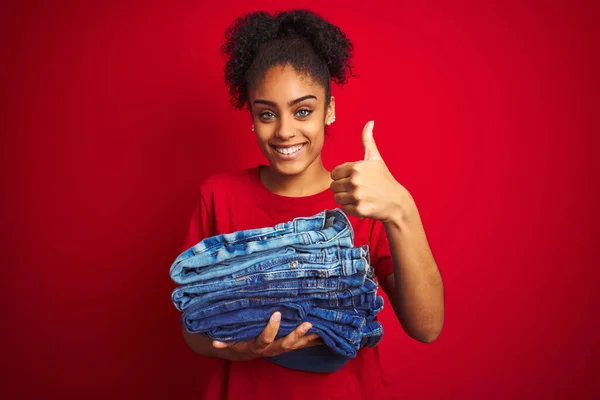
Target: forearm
417, 290
203, 345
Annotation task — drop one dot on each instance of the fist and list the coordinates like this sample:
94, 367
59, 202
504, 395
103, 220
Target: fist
367, 188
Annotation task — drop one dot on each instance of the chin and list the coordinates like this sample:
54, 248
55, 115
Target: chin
290, 169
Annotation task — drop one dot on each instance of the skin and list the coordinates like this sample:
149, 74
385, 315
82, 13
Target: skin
281, 121
367, 189
288, 108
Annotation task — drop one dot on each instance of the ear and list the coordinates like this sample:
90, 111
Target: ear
330, 112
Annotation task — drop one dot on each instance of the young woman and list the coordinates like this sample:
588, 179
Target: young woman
281, 67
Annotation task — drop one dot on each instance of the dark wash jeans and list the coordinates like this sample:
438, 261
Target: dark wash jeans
343, 330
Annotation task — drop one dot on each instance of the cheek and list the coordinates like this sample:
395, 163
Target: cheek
262, 138
316, 139
315, 132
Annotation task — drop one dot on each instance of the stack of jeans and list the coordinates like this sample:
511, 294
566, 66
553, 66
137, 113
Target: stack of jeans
307, 269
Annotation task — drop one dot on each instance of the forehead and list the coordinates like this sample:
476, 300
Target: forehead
283, 82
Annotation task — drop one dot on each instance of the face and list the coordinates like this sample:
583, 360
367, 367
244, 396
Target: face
289, 115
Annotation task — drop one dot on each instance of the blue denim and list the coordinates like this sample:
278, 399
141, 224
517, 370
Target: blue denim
307, 269
196, 322
319, 359
353, 296
339, 325
315, 287
344, 340
308, 272
371, 334
367, 309
328, 228
322, 359
291, 260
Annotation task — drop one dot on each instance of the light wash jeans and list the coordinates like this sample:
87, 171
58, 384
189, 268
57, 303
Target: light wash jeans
329, 228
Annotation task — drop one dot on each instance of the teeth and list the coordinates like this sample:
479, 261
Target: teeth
289, 150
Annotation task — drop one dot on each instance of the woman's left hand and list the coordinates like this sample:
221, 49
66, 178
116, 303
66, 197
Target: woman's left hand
367, 188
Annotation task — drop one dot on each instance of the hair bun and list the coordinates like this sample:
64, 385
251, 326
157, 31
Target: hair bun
249, 33
327, 40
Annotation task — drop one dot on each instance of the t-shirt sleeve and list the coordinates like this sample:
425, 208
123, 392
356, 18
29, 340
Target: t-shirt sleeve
381, 257
201, 224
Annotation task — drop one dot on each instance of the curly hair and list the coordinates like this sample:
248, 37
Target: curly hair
258, 41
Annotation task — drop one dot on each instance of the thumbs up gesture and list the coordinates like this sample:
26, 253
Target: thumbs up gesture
367, 189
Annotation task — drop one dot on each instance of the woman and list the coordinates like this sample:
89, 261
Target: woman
281, 68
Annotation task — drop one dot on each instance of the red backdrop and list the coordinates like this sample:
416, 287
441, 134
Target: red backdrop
487, 112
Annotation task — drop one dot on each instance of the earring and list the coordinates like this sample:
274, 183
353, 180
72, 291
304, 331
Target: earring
252, 127
331, 121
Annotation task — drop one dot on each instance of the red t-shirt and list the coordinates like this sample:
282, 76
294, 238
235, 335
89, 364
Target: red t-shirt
232, 202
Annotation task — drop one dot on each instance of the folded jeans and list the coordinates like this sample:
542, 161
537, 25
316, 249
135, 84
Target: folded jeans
330, 228
343, 340
325, 288
275, 259
277, 270
368, 309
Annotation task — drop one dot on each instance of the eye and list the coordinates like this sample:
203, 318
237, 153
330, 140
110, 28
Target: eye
304, 113
266, 115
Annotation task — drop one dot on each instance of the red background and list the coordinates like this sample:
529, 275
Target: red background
487, 112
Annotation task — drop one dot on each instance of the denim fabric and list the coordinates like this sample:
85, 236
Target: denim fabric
355, 296
319, 359
317, 288
195, 323
366, 305
343, 340
292, 260
343, 343
307, 272
371, 334
340, 327
327, 229
308, 269
323, 359
368, 310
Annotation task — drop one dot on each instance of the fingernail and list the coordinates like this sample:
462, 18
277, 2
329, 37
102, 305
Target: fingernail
306, 327
277, 316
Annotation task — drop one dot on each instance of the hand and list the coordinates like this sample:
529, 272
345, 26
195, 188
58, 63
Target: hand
265, 344
367, 188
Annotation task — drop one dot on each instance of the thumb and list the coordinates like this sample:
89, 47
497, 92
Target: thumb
371, 151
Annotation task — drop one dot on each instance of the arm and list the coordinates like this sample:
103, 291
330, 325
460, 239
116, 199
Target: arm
204, 346
368, 189
415, 289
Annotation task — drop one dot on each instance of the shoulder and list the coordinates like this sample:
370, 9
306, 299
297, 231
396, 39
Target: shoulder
225, 184
227, 179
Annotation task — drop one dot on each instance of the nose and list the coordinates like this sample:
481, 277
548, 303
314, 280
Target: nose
285, 130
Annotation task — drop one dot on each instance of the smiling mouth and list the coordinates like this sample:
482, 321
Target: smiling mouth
288, 151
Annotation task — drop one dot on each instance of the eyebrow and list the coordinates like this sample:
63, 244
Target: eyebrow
290, 103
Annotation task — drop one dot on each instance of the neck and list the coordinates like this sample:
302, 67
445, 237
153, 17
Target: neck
312, 180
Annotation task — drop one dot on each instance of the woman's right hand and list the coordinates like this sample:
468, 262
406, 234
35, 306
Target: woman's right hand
265, 344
